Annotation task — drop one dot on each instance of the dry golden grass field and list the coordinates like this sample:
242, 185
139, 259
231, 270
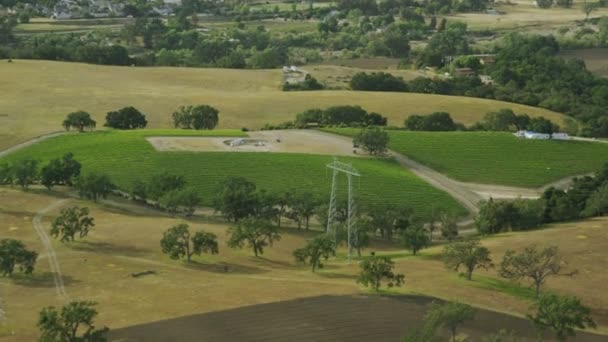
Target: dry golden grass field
37, 95
126, 240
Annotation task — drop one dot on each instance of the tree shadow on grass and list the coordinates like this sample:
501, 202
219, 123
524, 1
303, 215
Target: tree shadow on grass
271, 263
107, 248
40, 280
334, 275
224, 267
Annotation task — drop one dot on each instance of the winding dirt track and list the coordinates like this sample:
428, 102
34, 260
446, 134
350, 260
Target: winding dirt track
48, 246
30, 142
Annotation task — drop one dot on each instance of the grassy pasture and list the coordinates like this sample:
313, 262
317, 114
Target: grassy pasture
126, 241
127, 156
596, 60
497, 158
37, 95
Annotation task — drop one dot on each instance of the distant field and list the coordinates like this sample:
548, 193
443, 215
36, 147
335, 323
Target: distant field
596, 60
127, 156
497, 158
36, 96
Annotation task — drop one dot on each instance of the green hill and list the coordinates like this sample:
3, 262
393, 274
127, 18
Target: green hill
127, 156
497, 158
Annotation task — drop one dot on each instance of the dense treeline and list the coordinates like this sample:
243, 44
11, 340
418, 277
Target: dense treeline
349, 116
586, 197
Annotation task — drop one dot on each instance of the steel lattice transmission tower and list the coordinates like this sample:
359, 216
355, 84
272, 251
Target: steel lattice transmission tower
350, 171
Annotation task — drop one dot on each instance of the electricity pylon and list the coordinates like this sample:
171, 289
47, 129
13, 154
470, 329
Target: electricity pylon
350, 171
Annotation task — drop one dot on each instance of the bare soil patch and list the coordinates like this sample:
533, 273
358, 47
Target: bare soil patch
280, 141
324, 318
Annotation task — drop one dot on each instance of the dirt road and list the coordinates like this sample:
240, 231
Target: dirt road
30, 142
48, 246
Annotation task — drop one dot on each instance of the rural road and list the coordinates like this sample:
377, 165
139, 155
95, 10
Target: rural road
48, 246
4, 153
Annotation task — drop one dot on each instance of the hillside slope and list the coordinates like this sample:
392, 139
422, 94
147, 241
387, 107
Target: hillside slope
36, 96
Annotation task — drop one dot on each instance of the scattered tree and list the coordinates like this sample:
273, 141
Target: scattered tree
60, 171
303, 207
377, 268
449, 227
257, 233
236, 198
13, 253
25, 172
6, 174
562, 315
126, 118
415, 238
70, 222
590, 7
80, 120
197, 117
65, 326
178, 243
93, 186
162, 183
467, 253
373, 140
536, 264
317, 249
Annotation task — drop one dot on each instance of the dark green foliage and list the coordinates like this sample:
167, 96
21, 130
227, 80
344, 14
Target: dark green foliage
542, 125
544, 3
309, 83
438, 121
178, 243
65, 326
415, 238
375, 269
353, 116
197, 117
597, 203
236, 198
377, 81
468, 254
93, 186
269, 58
373, 140
162, 183
80, 120
450, 42
60, 171
25, 172
495, 217
256, 233
70, 222
302, 205
126, 118
13, 253
7, 24
173, 200
316, 250
6, 174
449, 227
561, 315
534, 263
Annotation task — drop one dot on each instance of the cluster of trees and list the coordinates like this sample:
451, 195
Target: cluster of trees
168, 192
126, 118
586, 197
377, 81
197, 117
407, 8
25, 172
438, 121
507, 120
350, 116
